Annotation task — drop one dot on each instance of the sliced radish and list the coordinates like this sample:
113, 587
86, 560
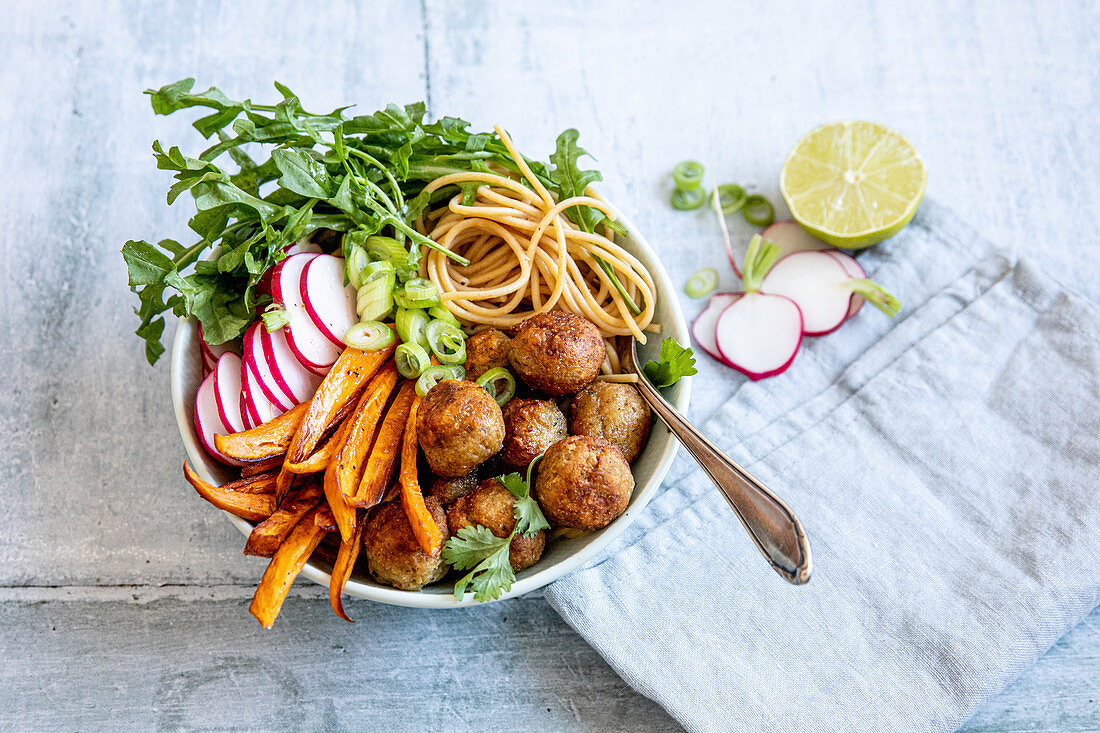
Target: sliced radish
246, 409
208, 421
257, 362
296, 382
329, 303
702, 330
227, 388
259, 406
310, 346
854, 269
816, 281
791, 238
759, 335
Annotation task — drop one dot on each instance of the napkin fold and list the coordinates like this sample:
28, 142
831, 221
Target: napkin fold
945, 467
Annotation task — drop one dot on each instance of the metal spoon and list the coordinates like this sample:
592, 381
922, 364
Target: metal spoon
772, 526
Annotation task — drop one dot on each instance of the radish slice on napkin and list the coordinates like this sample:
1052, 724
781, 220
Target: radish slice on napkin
854, 269
703, 329
791, 238
759, 334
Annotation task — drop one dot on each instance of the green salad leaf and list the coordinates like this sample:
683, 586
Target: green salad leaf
674, 361
361, 174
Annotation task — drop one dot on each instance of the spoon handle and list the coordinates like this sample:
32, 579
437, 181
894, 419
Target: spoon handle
772, 526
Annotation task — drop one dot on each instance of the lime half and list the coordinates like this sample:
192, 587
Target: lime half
853, 184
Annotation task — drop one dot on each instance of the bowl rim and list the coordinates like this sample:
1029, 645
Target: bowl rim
528, 583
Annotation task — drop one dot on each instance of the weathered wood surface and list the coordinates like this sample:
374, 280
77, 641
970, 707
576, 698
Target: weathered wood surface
999, 97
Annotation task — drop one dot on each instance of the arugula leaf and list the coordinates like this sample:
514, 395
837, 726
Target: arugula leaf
675, 361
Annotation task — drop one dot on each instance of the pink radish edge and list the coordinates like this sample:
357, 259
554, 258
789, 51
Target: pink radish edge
330, 304
295, 380
812, 280
227, 390
257, 362
208, 422
703, 328
310, 346
855, 270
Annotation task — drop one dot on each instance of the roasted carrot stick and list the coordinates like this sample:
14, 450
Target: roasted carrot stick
266, 536
284, 568
265, 441
343, 473
322, 456
341, 571
341, 386
253, 507
263, 466
325, 520
423, 525
259, 483
387, 446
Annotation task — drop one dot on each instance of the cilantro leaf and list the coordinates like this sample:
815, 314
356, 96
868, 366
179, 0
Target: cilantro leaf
674, 361
529, 517
471, 546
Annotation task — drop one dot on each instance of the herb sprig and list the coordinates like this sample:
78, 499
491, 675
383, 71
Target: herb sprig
484, 554
356, 174
673, 361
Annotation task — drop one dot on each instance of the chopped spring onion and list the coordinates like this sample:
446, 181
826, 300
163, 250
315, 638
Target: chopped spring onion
731, 197
436, 374
419, 288
403, 301
387, 249
702, 283
758, 211
438, 311
274, 317
369, 336
375, 298
374, 269
447, 342
500, 383
688, 199
688, 174
412, 326
411, 359
357, 260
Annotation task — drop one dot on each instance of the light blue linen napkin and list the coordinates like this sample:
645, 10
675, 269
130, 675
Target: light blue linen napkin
946, 468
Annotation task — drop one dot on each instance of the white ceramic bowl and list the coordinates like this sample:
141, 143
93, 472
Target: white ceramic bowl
561, 556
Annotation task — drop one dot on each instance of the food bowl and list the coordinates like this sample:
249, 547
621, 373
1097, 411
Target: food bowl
563, 554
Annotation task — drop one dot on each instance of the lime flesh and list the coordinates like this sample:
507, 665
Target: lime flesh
853, 184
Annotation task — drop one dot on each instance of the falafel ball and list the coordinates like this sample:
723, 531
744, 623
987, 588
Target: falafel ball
459, 426
613, 411
449, 489
486, 349
530, 427
557, 352
393, 555
583, 483
492, 506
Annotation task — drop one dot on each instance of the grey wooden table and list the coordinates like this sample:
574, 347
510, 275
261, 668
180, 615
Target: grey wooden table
123, 598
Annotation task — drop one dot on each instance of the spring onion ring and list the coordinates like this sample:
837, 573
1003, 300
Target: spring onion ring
421, 289
490, 379
411, 359
412, 326
447, 342
758, 211
369, 336
436, 374
688, 174
731, 197
688, 199
357, 260
375, 298
702, 283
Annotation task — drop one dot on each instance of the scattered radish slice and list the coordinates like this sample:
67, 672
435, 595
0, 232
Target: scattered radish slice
759, 335
854, 269
822, 288
208, 422
227, 390
791, 238
316, 352
295, 381
329, 303
702, 330
257, 362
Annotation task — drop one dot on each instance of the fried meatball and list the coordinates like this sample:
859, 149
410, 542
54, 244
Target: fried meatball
583, 483
449, 489
484, 350
459, 426
530, 427
612, 411
492, 506
393, 555
557, 352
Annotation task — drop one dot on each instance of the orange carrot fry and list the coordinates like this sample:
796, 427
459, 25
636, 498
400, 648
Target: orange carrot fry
341, 386
387, 446
423, 525
341, 571
263, 466
265, 441
259, 483
284, 568
325, 520
253, 507
266, 536
322, 456
343, 473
